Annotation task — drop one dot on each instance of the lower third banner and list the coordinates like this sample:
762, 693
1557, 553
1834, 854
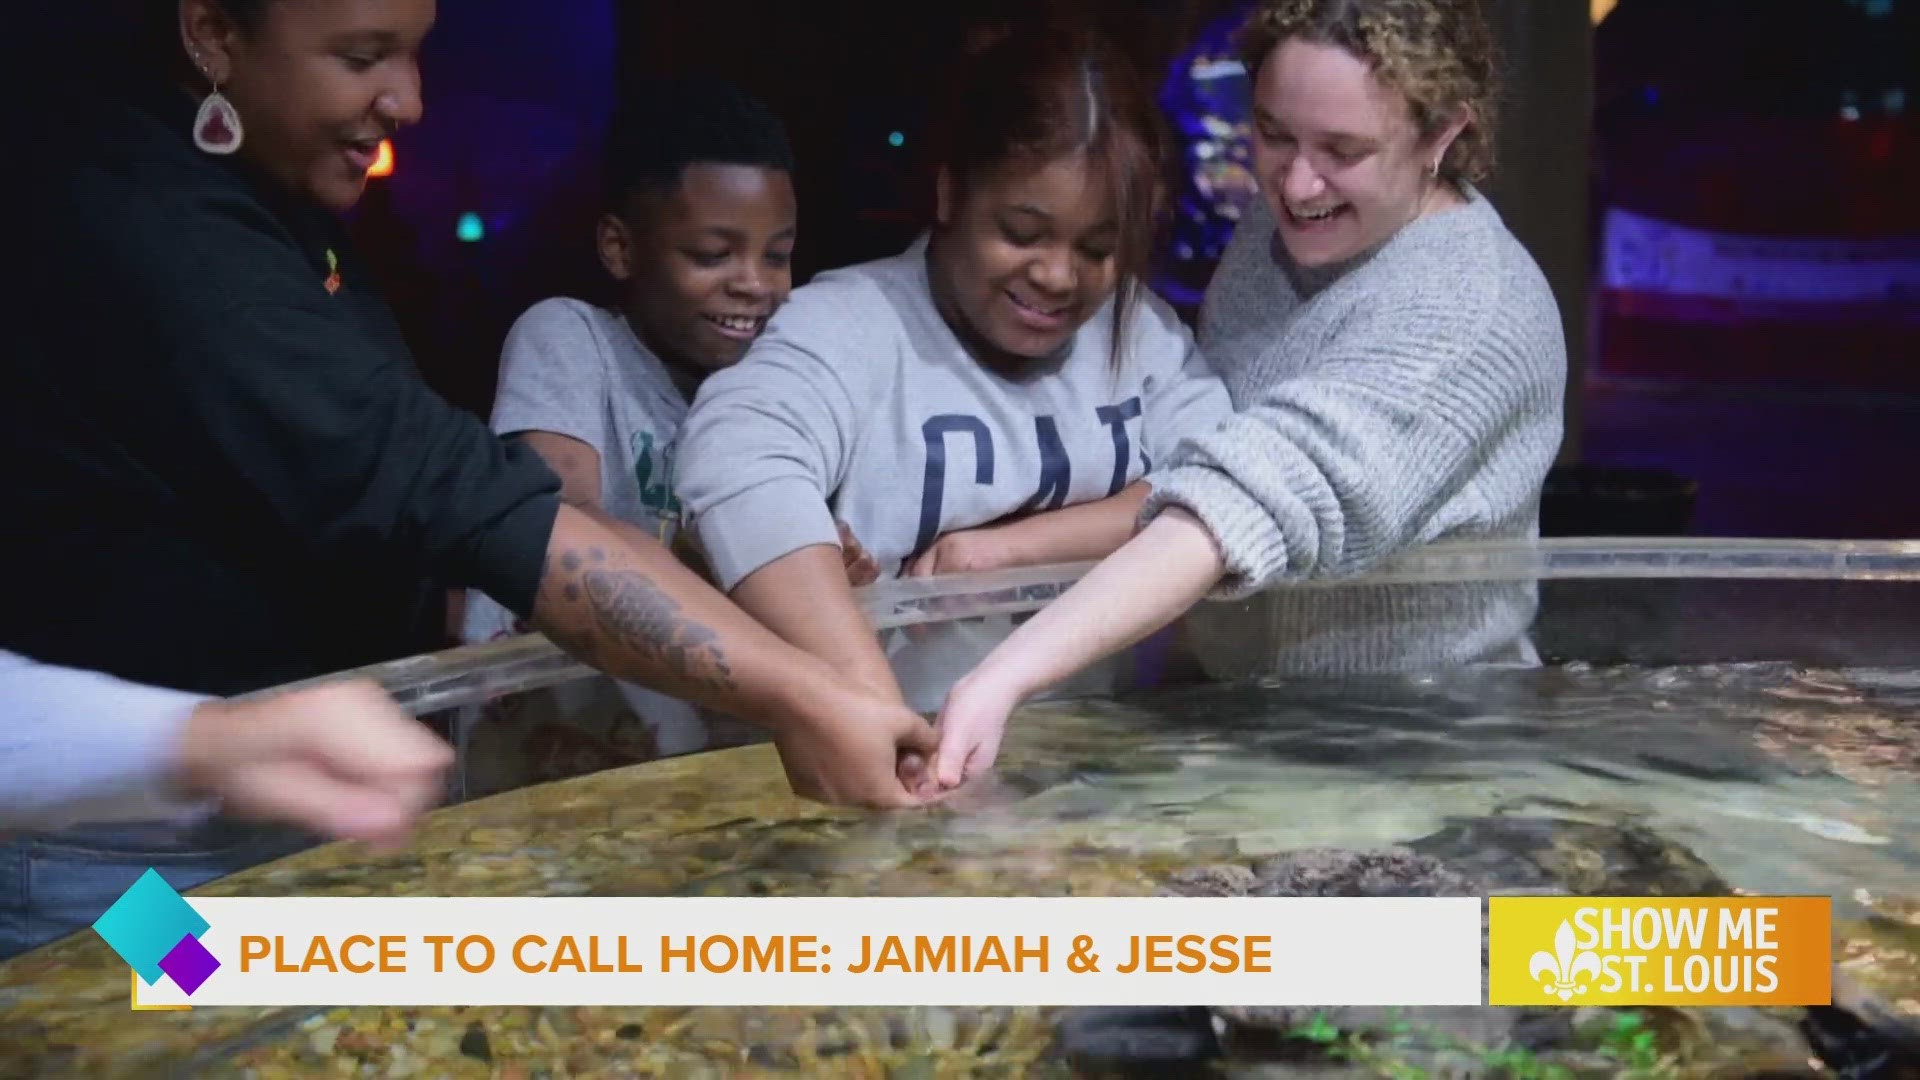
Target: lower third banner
796, 951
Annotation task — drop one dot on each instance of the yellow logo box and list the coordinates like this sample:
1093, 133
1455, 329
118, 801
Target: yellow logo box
1631, 950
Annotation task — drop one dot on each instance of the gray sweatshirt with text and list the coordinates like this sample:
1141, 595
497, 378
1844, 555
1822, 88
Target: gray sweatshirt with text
859, 400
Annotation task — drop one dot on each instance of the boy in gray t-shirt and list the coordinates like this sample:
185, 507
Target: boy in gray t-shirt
697, 235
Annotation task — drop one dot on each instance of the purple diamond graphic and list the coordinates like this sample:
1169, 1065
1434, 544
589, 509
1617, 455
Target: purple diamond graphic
189, 964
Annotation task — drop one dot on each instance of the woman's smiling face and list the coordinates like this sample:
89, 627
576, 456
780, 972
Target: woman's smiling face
317, 84
1339, 157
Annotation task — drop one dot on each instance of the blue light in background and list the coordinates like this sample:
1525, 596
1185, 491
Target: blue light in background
471, 229
1206, 97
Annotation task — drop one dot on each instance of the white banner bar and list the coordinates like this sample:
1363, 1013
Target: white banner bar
835, 951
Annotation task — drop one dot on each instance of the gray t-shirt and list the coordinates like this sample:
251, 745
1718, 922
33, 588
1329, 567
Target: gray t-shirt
859, 402
576, 369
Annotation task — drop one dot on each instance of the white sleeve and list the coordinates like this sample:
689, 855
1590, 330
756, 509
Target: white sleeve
79, 746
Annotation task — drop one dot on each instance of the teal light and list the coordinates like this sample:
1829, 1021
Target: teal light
472, 230
897, 139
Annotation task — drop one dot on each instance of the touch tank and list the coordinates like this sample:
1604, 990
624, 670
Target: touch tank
1706, 717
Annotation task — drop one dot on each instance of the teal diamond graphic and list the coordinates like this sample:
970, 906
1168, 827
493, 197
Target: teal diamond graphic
145, 924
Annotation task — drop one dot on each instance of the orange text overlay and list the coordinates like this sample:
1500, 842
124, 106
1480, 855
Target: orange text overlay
722, 954
1591, 950
835, 951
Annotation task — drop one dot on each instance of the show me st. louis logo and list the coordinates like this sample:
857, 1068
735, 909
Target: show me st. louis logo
1560, 972
157, 932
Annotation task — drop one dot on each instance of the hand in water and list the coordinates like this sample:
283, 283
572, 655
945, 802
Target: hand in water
341, 759
970, 726
865, 752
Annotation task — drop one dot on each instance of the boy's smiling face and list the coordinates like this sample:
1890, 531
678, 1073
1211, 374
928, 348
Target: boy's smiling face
703, 267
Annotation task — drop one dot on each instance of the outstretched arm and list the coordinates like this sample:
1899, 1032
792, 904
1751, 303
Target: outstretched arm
807, 599
764, 448
1137, 590
340, 759
621, 602
1078, 533
333, 439
1324, 474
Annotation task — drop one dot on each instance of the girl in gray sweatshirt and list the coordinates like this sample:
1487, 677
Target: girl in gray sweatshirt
992, 396
1397, 364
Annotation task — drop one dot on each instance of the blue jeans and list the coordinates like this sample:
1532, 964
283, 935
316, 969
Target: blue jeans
57, 884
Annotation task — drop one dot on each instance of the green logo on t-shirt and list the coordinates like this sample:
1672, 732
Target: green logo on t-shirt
659, 497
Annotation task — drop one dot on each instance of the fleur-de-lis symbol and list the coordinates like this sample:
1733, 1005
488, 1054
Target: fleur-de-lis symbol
1556, 970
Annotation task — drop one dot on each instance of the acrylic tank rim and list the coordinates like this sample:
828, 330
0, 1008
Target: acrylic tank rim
473, 674
1554, 558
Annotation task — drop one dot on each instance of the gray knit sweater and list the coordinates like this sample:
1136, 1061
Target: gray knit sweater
1410, 395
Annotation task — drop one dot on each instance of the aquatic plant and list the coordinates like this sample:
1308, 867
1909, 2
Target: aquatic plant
1631, 1042
1627, 1041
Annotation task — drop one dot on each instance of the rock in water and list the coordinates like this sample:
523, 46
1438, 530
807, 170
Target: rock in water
1334, 872
1144, 1041
1860, 1038
1395, 871
1578, 857
1501, 855
1220, 879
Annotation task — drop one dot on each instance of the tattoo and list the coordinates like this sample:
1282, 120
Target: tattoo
631, 616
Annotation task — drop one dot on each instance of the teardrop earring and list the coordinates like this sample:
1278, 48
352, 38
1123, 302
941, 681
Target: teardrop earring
216, 128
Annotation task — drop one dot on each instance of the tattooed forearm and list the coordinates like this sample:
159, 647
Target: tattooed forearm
617, 616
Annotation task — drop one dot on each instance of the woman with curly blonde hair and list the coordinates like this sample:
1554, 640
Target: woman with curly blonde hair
1396, 363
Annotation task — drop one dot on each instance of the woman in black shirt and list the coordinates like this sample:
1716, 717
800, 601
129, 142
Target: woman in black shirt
225, 473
